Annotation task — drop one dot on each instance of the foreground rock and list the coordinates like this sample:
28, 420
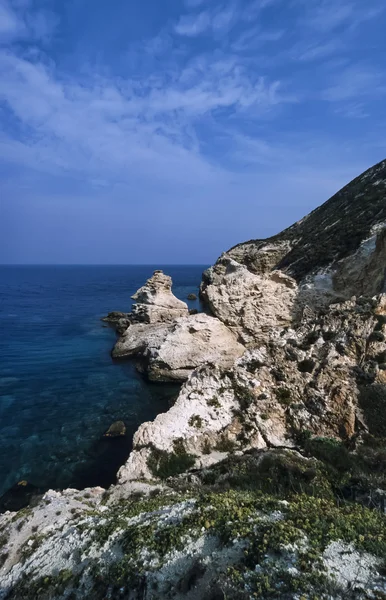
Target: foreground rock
215, 544
171, 352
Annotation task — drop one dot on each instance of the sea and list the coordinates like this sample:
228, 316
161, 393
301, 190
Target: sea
60, 390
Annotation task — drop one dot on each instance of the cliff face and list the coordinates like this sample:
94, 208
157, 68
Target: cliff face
267, 477
334, 253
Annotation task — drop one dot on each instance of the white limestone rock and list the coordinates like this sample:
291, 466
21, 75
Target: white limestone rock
171, 351
250, 304
155, 302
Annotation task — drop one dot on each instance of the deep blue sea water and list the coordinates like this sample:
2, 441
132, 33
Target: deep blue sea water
59, 388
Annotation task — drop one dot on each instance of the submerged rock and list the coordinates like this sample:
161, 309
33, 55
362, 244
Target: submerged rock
117, 429
192, 297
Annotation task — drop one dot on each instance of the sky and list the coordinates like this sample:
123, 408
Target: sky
165, 132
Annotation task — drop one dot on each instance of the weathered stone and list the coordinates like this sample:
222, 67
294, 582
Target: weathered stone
171, 351
155, 302
250, 304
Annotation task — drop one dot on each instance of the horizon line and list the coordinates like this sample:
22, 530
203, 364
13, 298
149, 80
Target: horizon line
102, 264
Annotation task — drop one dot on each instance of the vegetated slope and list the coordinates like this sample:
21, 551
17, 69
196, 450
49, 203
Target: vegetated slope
329, 233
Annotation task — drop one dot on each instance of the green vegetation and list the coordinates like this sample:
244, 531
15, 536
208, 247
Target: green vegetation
46, 587
214, 402
224, 444
244, 395
31, 545
167, 464
195, 421
283, 395
206, 448
240, 516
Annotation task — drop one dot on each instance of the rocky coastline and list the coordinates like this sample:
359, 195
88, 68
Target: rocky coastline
267, 476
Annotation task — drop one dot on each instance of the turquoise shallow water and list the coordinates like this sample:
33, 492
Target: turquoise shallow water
59, 388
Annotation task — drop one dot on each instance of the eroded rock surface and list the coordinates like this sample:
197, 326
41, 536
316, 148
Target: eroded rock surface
171, 351
155, 302
250, 304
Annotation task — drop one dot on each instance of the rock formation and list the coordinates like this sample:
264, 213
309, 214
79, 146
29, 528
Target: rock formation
169, 341
155, 302
259, 480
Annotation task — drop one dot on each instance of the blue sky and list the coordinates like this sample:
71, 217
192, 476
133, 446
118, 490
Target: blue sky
149, 131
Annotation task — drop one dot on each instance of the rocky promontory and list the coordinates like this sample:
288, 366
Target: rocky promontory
168, 342
267, 477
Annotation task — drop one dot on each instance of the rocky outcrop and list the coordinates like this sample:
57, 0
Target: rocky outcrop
250, 304
310, 381
348, 228
171, 351
155, 302
118, 320
335, 252
312, 351
169, 342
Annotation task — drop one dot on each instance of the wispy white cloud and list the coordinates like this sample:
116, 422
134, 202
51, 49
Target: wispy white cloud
216, 19
356, 82
19, 21
354, 110
192, 25
328, 15
10, 24
124, 126
318, 51
253, 38
254, 8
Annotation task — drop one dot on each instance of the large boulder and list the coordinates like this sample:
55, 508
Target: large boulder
171, 351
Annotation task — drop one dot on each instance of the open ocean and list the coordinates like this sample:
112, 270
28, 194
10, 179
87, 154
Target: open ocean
59, 388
